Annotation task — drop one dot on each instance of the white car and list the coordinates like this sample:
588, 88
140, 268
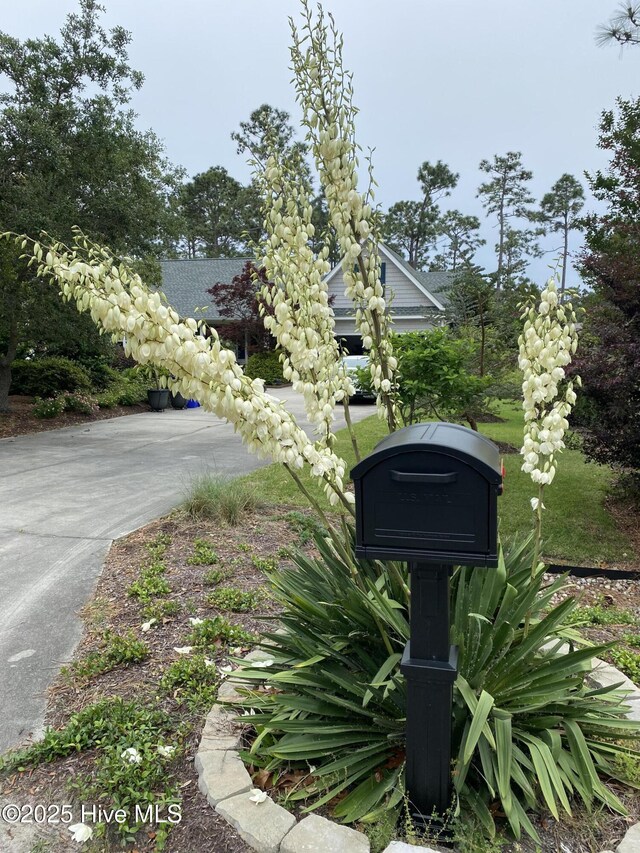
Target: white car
352, 364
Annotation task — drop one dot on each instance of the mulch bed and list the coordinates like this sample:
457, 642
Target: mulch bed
20, 420
260, 536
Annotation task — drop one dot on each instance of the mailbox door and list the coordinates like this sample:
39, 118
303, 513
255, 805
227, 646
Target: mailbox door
427, 501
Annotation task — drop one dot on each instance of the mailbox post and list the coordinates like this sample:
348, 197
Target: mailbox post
428, 495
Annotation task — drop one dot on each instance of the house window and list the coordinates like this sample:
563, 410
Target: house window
383, 271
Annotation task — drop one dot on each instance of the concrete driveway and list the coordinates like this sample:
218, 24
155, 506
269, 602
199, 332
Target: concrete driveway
65, 495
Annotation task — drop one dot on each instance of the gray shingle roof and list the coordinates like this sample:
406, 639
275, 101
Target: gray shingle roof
185, 284
437, 283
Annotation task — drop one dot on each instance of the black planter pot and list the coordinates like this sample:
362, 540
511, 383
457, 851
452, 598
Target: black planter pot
158, 398
178, 401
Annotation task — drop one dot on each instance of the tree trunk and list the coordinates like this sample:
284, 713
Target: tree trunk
565, 254
471, 421
501, 219
5, 365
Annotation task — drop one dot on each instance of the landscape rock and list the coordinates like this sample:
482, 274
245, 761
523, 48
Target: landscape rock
227, 691
221, 775
220, 730
316, 834
261, 825
631, 842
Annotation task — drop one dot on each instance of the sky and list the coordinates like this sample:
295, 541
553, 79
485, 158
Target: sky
455, 80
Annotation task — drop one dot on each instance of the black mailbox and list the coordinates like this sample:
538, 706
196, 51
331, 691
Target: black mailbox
428, 493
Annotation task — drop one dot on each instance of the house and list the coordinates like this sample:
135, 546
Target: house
418, 298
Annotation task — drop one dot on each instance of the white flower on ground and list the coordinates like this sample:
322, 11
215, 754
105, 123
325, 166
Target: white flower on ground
81, 832
262, 664
257, 796
131, 755
146, 626
195, 620
208, 662
166, 751
183, 650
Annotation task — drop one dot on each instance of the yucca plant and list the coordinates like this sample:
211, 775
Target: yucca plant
529, 733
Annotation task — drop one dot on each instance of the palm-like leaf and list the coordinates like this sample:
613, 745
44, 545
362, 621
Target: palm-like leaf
528, 732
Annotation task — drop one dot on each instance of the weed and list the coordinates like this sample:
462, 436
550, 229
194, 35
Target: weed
305, 526
220, 498
193, 680
161, 609
628, 766
382, 831
212, 633
283, 553
203, 554
116, 650
242, 546
631, 640
600, 614
628, 662
214, 577
265, 564
231, 598
97, 613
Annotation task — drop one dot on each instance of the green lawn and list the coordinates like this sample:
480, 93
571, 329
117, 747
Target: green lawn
577, 528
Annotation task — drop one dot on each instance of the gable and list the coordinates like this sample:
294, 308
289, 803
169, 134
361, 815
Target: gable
415, 293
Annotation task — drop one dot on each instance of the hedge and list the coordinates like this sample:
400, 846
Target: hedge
45, 377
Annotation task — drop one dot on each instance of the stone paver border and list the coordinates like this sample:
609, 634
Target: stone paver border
269, 828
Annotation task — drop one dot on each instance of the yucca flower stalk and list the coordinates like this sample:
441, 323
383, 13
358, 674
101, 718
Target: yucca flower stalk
324, 91
302, 321
546, 345
199, 365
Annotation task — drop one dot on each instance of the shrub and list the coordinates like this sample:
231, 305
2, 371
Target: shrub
528, 733
433, 378
125, 389
83, 404
47, 376
219, 498
50, 407
265, 365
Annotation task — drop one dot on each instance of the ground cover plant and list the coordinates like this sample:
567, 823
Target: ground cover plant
155, 701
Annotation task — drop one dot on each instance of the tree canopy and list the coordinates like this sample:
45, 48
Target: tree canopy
71, 155
610, 362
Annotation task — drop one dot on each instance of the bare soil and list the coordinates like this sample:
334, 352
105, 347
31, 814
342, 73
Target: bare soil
20, 420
